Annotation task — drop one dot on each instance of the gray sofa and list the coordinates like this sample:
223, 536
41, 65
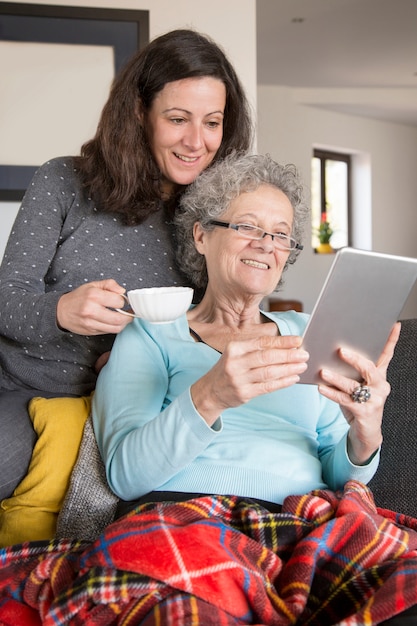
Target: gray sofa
395, 484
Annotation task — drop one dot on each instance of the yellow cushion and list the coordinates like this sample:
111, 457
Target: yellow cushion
31, 512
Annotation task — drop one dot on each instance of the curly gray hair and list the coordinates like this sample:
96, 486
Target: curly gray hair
210, 196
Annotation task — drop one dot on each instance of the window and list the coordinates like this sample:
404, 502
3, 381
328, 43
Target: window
330, 198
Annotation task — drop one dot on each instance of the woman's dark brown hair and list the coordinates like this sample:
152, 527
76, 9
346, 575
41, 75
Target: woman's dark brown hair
117, 166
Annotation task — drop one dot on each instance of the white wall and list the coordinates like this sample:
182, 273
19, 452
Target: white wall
288, 130
214, 19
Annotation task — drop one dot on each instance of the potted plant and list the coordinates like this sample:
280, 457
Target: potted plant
325, 233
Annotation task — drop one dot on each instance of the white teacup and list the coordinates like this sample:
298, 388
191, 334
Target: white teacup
159, 305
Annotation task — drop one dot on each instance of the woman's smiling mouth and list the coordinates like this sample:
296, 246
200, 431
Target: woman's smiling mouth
257, 264
185, 158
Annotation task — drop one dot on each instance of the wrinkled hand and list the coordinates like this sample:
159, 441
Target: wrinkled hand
365, 419
88, 309
248, 369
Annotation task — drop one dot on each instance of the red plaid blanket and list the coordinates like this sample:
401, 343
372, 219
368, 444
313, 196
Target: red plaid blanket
326, 559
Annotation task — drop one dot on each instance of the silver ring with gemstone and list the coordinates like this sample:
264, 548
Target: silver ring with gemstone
361, 394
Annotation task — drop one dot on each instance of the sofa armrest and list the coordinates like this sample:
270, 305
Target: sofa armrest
395, 484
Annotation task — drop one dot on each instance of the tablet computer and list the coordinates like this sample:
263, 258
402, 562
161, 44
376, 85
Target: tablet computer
361, 299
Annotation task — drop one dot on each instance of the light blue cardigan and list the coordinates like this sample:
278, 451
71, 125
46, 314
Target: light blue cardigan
152, 438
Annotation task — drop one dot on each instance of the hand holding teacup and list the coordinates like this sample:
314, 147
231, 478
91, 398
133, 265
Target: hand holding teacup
159, 305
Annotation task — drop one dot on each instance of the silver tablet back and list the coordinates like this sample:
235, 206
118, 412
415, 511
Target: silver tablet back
362, 298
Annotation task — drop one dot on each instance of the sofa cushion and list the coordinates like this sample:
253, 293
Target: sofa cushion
31, 512
89, 504
395, 484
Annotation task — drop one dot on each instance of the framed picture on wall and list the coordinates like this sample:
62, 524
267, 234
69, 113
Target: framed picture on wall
58, 63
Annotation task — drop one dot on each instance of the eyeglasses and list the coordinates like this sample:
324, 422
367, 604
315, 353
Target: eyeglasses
281, 241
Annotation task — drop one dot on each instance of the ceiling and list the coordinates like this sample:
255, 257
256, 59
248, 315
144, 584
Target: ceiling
352, 56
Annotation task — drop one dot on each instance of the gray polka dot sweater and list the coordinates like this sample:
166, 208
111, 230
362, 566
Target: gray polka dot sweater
58, 242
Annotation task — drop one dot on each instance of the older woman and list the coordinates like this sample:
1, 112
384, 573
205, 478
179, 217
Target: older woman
203, 422
209, 404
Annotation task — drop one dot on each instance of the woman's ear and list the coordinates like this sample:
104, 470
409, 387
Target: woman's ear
140, 114
199, 237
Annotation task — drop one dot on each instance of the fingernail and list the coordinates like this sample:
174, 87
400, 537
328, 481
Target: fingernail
346, 352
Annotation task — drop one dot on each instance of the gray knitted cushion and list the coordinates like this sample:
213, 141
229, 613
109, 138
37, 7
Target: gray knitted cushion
395, 484
89, 505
